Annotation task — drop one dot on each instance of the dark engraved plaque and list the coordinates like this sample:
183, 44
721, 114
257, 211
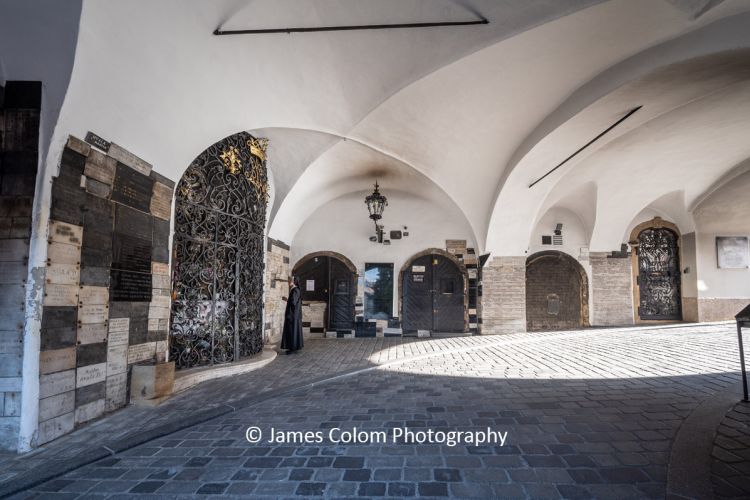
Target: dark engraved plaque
72, 161
97, 141
161, 232
132, 188
119, 310
129, 286
58, 338
133, 223
138, 331
160, 178
131, 254
90, 393
67, 201
95, 257
160, 254
98, 206
94, 276
95, 240
91, 354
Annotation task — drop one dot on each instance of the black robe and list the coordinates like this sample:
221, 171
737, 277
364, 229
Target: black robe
291, 339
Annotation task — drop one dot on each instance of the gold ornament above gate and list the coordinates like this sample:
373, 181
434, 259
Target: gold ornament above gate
231, 159
258, 147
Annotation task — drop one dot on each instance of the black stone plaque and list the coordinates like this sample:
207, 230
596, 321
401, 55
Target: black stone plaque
90, 393
95, 257
160, 254
120, 310
97, 141
161, 232
131, 254
96, 240
91, 354
67, 201
133, 223
132, 188
138, 331
129, 286
156, 336
72, 161
160, 178
94, 276
58, 338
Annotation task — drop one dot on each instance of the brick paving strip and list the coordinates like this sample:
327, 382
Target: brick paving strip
329, 360
730, 468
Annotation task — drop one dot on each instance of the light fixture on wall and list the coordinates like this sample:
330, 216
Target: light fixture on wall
376, 203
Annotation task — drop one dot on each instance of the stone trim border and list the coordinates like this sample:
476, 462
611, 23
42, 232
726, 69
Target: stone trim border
689, 467
48, 471
185, 379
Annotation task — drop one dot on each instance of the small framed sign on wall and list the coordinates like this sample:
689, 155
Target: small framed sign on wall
732, 252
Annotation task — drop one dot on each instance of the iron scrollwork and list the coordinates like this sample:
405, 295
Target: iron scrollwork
659, 274
220, 213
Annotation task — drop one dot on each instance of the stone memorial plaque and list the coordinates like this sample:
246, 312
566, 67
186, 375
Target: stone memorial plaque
91, 333
62, 232
732, 252
156, 176
91, 354
132, 188
161, 301
417, 269
126, 157
56, 427
98, 241
161, 350
98, 188
67, 200
100, 167
13, 250
158, 325
131, 254
159, 268
90, 393
93, 313
50, 338
133, 223
91, 374
62, 274
78, 146
119, 330
158, 312
141, 352
54, 406
127, 286
93, 295
161, 281
97, 141
89, 411
57, 360
162, 231
94, 276
61, 295
160, 292
56, 383
117, 391
161, 201
62, 253
117, 359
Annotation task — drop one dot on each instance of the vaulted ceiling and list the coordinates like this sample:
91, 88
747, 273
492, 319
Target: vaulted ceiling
468, 116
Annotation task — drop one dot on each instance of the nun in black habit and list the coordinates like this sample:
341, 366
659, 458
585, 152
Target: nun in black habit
291, 339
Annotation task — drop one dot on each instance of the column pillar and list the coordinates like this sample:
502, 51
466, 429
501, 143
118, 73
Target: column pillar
612, 289
504, 295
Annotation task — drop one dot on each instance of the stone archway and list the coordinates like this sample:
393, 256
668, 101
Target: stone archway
657, 271
557, 292
217, 279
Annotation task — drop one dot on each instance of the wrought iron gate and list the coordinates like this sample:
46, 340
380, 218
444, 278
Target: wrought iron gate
659, 275
217, 278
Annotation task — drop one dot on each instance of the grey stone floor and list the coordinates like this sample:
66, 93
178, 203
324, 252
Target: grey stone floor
730, 469
589, 414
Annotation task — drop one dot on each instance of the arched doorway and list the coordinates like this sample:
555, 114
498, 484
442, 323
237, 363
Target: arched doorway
657, 280
330, 278
433, 293
217, 279
557, 292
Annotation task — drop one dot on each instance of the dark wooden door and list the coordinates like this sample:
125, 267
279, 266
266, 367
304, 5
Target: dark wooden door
433, 295
659, 275
333, 283
342, 286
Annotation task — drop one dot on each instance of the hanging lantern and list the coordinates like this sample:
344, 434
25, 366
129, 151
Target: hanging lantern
376, 203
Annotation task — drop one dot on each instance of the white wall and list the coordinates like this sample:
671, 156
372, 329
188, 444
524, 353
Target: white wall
726, 212
343, 226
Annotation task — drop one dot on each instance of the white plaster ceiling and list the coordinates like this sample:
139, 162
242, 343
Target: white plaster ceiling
467, 114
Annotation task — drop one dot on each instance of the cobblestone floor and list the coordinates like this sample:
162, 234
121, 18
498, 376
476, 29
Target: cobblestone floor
589, 414
730, 469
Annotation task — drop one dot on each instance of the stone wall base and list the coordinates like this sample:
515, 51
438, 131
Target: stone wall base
719, 309
611, 290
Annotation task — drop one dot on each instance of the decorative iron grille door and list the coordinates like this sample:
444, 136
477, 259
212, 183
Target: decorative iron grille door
217, 280
659, 275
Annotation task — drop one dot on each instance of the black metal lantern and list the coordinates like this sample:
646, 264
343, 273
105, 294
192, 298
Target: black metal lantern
376, 203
